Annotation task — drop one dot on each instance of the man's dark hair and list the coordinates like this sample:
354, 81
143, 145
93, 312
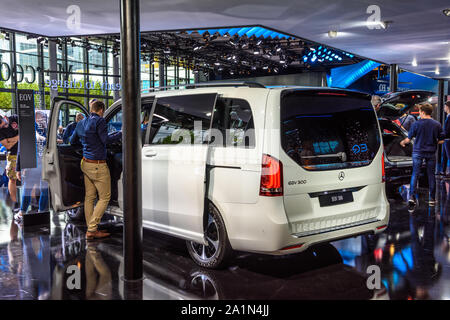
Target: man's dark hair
97, 105
426, 108
448, 103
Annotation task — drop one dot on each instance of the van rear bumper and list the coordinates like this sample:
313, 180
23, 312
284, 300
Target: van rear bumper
374, 227
264, 227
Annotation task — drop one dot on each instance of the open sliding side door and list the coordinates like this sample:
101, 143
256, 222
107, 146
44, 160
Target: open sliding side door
61, 162
174, 164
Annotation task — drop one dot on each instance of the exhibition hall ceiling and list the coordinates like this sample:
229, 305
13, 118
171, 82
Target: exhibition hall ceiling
412, 33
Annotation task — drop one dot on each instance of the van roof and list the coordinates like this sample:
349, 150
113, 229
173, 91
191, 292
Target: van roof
226, 87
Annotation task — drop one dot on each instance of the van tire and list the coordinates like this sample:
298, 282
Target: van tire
217, 256
76, 214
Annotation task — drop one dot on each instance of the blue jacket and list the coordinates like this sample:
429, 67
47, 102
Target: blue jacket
93, 134
427, 133
447, 127
69, 131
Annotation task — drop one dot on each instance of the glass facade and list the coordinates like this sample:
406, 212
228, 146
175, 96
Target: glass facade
78, 68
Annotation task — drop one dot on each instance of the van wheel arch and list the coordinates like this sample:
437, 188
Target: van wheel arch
205, 216
219, 251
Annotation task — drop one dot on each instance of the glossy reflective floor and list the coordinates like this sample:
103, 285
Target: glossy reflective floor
413, 254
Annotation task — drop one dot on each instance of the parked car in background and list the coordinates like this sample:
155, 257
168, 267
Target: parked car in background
243, 167
398, 160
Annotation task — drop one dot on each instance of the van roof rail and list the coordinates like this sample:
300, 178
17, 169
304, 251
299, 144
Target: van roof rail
208, 85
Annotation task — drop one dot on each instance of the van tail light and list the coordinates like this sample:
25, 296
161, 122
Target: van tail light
383, 175
271, 177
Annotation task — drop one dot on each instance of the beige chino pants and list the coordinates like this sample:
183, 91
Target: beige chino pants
96, 181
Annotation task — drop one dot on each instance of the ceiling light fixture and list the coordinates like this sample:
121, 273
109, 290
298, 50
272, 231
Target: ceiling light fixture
414, 62
446, 12
332, 33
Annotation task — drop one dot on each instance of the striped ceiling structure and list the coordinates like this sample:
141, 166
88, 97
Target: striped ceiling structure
258, 32
257, 49
230, 52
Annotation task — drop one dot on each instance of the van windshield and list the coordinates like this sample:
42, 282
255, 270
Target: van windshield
328, 130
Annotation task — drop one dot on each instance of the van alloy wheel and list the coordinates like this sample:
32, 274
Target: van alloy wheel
212, 237
76, 214
218, 249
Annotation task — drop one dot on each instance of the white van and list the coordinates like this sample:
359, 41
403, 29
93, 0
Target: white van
294, 167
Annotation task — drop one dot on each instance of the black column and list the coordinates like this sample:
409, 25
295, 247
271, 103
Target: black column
132, 172
441, 96
393, 78
12, 42
440, 117
162, 72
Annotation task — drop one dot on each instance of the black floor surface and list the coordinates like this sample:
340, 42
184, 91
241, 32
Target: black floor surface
412, 253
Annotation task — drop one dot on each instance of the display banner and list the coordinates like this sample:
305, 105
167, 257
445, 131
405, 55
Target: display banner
27, 130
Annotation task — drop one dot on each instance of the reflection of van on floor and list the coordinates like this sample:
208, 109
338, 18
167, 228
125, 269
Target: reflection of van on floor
282, 169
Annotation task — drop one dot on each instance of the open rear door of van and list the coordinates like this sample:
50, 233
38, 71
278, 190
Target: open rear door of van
61, 161
396, 104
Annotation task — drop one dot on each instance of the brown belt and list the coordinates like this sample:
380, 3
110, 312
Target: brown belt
94, 161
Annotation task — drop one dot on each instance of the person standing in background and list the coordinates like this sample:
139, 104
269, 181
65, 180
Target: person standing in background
60, 134
428, 133
71, 127
376, 102
31, 178
9, 138
446, 146
407, 120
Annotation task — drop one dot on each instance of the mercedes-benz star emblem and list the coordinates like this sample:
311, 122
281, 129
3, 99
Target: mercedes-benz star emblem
341, 175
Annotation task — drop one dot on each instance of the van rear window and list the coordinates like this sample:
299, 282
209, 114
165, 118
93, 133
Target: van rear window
326, 130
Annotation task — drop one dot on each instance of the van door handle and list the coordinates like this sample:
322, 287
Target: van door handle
150, 153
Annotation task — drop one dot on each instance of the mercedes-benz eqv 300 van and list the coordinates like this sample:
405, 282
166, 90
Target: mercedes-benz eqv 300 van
243, 167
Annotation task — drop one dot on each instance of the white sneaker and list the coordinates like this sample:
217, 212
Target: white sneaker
411, 205
18, 216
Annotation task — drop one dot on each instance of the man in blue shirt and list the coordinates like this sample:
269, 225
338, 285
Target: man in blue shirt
428, 133
94, 137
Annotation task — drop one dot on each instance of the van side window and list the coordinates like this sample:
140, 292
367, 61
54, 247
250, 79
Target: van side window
234, 120
182, 119
115, 122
